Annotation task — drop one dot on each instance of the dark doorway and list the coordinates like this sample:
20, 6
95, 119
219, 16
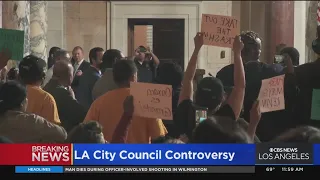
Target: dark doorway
167, 38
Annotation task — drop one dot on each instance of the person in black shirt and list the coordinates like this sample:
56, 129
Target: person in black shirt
171, 73
146, 63
210, 91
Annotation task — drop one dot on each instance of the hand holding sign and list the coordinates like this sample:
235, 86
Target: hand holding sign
5, 56
237, 44
255, 113
12, 40
152, 100
271, 94
219, 30
198, 40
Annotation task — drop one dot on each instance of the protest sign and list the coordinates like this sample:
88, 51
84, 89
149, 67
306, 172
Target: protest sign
13, 40
315, 105
152, 100
219, 30
271, 94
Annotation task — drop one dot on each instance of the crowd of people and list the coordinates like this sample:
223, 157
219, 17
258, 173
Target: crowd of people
73, 100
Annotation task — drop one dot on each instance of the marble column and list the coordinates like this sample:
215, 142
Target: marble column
38, 28
16, 15
281, 26
311, 29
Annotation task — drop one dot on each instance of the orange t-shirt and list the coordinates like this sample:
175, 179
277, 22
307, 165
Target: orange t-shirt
42, 104
108, 109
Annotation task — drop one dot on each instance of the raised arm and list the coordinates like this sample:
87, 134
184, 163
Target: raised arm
235, 100
121, 132
255, 116
187, 82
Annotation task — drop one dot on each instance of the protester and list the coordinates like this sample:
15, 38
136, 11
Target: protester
210, 91
32, 72
51, 61
106, 83
71, 112
21, 127
108, 109
171, 73
93, 101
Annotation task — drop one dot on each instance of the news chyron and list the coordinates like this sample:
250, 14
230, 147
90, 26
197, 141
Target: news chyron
284, 154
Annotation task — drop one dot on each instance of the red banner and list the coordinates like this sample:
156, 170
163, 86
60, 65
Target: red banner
35, 154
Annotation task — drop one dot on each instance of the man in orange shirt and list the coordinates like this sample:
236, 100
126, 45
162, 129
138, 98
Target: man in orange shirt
32, 73
108, 108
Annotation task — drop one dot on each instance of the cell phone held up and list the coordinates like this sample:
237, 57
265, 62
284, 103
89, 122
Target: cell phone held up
279, 59
200, 114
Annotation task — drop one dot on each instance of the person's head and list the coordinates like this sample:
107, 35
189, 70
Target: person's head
303, 134
170, 73
279, 48
140, 53
95, 56
13, 96
124, 72
252, 46
210, 93
77, 54
61, 55
88, 132
212, 130
63, 72
166, 140
50, 58
32, 70
109, 58
12, 74
293, 53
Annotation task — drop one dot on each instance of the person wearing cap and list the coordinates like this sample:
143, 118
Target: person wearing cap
210, 91
32, 72
146, 63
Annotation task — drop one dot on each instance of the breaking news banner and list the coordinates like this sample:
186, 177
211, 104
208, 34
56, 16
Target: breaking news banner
206, 158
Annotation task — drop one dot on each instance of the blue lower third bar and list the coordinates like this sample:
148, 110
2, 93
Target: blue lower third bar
39, 169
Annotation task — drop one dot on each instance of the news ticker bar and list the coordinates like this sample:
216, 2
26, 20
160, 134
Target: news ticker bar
166, 169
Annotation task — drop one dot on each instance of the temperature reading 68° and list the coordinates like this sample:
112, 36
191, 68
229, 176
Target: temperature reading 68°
270, 169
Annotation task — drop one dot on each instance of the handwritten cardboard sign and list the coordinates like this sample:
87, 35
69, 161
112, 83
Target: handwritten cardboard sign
152, 100
12, 40
271, 94
219, 30
315, 106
